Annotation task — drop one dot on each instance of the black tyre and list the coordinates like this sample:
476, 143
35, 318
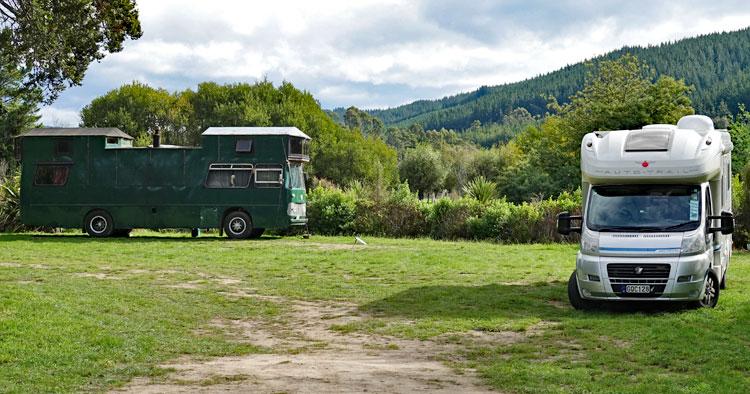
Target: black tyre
723, 284
237, 225
711, 293
257, 233
574, 296
99, 224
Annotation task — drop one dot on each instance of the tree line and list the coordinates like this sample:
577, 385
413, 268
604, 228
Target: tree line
716, 65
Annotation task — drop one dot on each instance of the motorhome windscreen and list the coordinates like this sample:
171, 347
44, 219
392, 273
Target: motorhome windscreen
296, 176
658, 208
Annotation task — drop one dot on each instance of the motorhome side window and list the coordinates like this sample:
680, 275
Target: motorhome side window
268, 175
229, 176
51, 174
243, 145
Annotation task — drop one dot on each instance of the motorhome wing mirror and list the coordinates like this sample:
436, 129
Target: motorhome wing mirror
726, 223
564, 220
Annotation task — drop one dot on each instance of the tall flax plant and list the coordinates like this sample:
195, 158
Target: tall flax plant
10, 203
481, 189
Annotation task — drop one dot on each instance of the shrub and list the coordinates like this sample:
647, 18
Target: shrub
10, 203
492, 224
448, 219
741, 208
481, 190
399, 213
330, 210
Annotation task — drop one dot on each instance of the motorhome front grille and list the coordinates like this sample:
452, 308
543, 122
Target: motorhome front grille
637, 271
639, 281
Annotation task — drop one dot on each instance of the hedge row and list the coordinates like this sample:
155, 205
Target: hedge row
400, 213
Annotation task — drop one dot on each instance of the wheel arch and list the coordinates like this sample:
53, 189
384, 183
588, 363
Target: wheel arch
89, 212
230, 210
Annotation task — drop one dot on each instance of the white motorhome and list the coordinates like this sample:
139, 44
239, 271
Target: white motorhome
656, 222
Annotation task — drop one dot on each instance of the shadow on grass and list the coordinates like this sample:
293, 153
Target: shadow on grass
84, 238
543, 300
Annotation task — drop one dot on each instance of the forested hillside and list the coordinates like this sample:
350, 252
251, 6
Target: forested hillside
716, 65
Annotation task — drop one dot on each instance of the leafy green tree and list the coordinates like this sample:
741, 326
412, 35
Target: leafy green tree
423, 169
18, 106
355, 118
740, 132
138, 110
54, 41
338, 154
618, 94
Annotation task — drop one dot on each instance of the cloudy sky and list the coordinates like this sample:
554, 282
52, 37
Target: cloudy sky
382, 53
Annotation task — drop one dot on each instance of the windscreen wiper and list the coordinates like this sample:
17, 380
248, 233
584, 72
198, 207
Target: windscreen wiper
677, 226
627, 228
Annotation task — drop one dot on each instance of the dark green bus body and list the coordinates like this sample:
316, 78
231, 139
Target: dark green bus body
163, 187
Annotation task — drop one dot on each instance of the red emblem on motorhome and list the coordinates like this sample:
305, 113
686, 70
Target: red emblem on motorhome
644, 164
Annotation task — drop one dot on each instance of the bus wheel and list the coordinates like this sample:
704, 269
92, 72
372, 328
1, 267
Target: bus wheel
99, 224
238, 225
257, 233
574, 296
711, 293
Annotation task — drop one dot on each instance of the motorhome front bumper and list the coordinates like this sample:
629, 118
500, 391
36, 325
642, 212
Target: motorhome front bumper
668, 278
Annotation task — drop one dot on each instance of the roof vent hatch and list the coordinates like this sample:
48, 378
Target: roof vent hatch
649, 141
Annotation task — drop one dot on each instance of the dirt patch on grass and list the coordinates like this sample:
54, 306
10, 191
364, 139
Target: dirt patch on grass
336, 246
305, 355
7, 264
97, 275
192, 285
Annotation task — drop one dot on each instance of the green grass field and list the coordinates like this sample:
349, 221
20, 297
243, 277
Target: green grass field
78, 314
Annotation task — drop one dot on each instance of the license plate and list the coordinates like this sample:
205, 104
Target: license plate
638, 289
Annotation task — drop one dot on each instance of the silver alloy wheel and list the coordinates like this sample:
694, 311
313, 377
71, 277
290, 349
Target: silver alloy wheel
237, 225
98, 224
709, 295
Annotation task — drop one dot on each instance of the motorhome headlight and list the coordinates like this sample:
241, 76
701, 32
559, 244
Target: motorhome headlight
693, 244
589, 243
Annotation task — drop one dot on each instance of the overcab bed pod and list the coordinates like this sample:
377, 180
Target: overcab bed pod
241, 180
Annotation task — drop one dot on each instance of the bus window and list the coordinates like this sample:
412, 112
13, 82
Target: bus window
51, 174
244, 146
229, 175
268, 176
296, 176
298, 147
63, 146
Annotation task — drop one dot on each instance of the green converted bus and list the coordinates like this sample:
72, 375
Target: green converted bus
241, 180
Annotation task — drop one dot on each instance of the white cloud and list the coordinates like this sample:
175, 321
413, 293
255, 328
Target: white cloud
58, 117
378, 53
